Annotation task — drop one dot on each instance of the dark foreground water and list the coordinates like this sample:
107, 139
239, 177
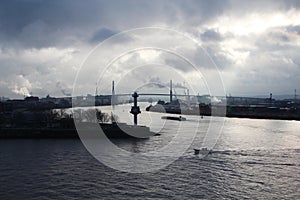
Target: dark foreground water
255, 159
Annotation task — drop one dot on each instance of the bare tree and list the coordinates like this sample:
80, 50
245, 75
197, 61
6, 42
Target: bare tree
102, 117
78, 115
114, 118
90, 115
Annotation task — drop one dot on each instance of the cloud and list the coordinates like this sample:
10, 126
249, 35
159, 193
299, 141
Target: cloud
211, 34
22, 86
43, 43
61, 23
295, 29
36, 71
64, 89
101, 35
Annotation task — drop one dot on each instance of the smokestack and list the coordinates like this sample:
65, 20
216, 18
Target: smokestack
171, 94
113, 93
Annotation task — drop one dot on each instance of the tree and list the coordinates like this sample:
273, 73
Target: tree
114, 118
78, 115
90, 115
102, 117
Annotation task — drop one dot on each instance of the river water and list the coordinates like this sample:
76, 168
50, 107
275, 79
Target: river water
250, 158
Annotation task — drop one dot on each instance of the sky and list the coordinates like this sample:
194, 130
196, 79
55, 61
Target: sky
50, 47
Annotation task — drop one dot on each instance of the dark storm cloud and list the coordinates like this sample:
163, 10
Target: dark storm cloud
56, 13
37, 23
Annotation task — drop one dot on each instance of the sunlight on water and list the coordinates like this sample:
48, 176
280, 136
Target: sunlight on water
237, 134
251, 159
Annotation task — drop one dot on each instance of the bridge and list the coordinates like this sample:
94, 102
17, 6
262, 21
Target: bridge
115, 97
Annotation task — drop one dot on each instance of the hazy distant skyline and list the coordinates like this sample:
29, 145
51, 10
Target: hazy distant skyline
255, 44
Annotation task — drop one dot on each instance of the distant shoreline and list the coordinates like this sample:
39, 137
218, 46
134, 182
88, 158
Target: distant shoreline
246, 116
288, 118
251, 112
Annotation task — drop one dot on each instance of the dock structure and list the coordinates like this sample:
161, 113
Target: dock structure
135, 109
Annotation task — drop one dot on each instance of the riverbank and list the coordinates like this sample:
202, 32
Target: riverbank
88, 130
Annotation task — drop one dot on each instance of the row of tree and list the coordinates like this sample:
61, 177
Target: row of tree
48, 118
94, 115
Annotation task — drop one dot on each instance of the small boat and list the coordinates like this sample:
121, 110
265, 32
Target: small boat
174, 118
203, 151
196, 151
